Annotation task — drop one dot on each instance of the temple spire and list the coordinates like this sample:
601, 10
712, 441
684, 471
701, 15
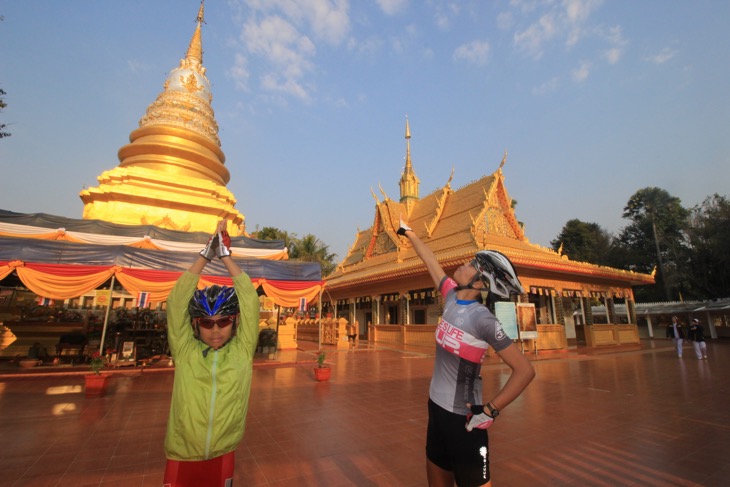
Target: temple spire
194, 56
409, 181
408, 145
172, 173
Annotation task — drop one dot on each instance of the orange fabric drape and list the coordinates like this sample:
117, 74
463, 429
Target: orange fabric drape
285, 294
57, 235
8, 267
49, 281
58, 281
158, 289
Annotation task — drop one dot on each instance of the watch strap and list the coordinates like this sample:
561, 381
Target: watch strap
493, 411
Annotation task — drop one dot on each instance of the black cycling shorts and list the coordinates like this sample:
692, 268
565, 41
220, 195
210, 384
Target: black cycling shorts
451, 447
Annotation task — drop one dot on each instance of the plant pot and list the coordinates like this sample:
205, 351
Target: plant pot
322, 374
29, 363
95, 385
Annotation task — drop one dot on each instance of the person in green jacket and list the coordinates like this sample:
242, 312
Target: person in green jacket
212, 334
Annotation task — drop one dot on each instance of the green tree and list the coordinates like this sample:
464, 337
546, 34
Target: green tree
310, 249
2, 107
658, 220
273, 233
709, 236
584, 242
307, 249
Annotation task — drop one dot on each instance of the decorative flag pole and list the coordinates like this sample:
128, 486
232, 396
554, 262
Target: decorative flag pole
319, 340
106, 316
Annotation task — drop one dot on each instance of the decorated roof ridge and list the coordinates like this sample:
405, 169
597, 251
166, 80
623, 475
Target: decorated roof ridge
412, 265
582, 268
384, 264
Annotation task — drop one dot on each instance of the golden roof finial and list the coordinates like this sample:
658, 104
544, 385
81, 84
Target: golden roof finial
448, 183
408, 144
374, 196
504, 159
200, 17
195, 49
382, 191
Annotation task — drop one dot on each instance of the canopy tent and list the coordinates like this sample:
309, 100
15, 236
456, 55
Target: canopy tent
98, 227
69, 267
46, 227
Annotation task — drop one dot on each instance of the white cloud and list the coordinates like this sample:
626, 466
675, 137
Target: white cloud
548, 86
281, 34
392, 7
663, 56
580, 74
614, 37
369, 46
505, 21
239, 72
135, 66
327, 19
558, 20
444, 15
612, 55
287, 51
288, 86
476, 52
532, 39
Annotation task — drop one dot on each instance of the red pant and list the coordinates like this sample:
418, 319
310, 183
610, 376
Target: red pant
216, 472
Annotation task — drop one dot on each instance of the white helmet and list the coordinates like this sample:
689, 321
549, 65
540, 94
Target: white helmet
497, 272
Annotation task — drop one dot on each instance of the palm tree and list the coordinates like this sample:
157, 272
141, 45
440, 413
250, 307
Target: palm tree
310, 249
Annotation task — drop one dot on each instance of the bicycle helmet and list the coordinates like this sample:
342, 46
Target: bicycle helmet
211, 301
497, 273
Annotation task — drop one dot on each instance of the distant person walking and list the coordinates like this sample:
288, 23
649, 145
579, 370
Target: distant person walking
675, 331
697, 336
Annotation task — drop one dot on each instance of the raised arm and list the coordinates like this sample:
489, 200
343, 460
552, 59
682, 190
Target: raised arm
224, 249
425, 253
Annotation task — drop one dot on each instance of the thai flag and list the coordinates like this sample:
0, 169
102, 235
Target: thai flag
302, 304
143, 300
45, 301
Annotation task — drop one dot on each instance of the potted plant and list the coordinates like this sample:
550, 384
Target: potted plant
321, 371
96, 382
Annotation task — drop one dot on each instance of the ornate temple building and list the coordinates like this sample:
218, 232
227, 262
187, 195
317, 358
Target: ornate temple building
384, 286
172, 174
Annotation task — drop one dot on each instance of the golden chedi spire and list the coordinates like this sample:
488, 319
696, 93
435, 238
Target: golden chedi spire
409, 182
172, 173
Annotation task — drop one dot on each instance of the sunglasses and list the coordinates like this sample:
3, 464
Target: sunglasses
222, 322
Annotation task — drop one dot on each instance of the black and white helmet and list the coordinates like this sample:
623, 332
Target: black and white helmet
497, 272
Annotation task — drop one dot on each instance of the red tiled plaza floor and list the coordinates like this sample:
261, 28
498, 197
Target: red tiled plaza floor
622, 416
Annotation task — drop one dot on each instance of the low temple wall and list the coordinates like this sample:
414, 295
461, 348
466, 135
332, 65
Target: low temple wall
403, 334
603, 335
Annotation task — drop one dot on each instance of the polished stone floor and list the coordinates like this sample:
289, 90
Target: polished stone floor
633, 415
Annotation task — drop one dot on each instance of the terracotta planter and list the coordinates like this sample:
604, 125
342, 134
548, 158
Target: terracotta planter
95, 385
29, 363
322, 374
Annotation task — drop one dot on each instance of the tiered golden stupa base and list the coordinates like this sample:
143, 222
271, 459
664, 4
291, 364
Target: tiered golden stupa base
137, 196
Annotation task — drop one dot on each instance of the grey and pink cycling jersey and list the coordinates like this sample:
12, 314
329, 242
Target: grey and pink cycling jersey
464, 334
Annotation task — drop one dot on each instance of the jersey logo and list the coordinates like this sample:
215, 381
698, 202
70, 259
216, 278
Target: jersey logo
498, 331
457, 341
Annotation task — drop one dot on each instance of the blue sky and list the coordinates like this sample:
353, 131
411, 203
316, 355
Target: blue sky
592, 99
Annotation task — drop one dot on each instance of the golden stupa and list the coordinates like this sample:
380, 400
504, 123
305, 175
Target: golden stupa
172, 173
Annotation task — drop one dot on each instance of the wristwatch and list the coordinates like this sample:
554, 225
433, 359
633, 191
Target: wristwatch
493, 411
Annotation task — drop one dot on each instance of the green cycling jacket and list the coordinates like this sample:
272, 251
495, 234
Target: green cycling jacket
210, 393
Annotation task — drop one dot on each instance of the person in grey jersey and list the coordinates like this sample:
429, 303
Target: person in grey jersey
457, 443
